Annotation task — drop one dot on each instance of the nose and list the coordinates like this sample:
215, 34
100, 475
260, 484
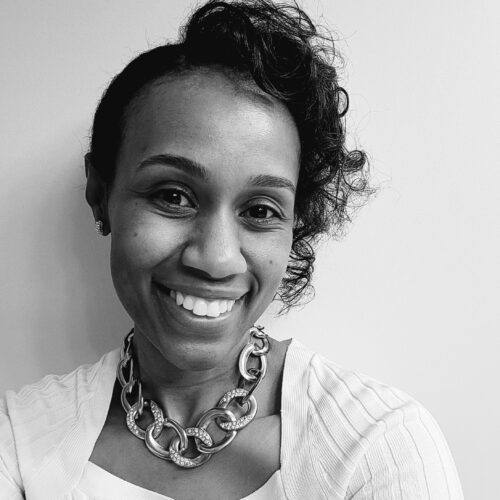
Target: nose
215, 248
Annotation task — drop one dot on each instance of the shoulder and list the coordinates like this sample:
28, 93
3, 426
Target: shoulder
363, 404
10, 477
55, 397
36, 420
367, 437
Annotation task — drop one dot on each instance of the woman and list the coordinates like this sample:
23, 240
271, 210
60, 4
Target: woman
215, 164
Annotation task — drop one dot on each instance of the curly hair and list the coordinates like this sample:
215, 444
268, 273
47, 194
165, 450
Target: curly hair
279, 47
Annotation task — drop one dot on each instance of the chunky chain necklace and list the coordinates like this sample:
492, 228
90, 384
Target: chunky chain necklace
222, 415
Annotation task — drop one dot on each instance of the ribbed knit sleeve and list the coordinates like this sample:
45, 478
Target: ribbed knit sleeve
10, 479
48, 430
373, 442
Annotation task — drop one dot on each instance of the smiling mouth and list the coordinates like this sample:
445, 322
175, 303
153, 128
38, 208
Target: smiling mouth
200, 306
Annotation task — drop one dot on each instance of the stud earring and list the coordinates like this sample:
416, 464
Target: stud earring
99, 227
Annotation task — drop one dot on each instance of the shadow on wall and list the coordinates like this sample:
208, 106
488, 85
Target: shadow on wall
75, 314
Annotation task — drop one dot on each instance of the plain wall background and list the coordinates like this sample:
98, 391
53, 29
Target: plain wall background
410, 296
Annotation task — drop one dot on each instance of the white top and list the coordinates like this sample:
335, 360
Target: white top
343, 436
98, 484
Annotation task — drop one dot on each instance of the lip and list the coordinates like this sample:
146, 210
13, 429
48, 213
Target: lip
213, 293
188, 318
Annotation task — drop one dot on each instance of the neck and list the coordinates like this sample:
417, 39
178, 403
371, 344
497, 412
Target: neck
184, 393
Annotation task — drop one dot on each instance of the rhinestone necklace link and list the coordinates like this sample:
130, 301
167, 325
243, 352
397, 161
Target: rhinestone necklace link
223, 415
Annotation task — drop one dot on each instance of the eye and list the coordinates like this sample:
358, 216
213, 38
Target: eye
261, 214
173, 196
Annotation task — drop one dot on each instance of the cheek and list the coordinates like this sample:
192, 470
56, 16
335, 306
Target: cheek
272, 257
139, 241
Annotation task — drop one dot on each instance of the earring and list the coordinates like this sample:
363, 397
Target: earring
99, 227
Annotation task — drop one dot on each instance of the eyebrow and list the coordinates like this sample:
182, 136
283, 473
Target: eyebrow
272, 181
190, 166
199, 171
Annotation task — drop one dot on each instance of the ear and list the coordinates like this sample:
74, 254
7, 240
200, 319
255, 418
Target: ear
96, 194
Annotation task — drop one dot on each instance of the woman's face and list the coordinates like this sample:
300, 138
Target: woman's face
201, 213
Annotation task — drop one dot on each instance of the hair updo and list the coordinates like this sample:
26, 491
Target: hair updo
281, 49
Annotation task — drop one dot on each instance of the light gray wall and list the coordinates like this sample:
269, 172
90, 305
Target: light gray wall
409, 297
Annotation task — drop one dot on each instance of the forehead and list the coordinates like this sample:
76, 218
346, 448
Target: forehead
213, 119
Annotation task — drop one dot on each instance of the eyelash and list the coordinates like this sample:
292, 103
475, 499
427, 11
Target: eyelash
158, 197
266, 220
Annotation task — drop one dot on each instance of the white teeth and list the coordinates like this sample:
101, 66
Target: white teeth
223, 306
214, 309
202, 307
188, 303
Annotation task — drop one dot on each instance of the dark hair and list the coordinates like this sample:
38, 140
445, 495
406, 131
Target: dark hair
281, 49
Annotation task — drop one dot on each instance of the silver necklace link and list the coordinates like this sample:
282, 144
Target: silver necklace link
222, 415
